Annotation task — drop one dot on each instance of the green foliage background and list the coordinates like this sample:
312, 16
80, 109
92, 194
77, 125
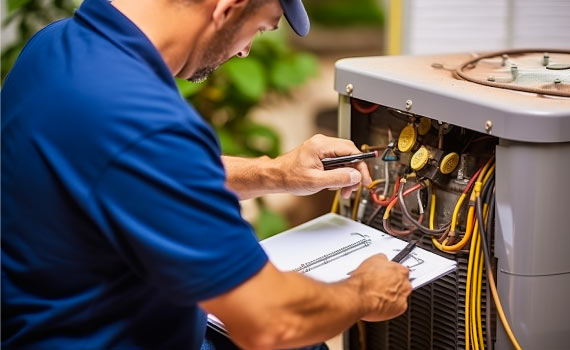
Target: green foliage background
345, 13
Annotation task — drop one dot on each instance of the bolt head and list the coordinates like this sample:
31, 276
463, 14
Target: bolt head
408, 104
488, 125
349, 88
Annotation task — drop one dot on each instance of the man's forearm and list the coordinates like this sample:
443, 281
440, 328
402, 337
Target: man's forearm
288, 309
319, 312
253, 177
298, 172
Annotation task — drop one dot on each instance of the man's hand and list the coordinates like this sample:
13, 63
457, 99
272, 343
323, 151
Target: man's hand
298, 172
385, 287
304, 172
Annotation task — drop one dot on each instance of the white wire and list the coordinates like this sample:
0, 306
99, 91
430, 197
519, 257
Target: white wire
387, 180
420, 202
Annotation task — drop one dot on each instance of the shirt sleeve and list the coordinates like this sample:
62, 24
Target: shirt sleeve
164, 207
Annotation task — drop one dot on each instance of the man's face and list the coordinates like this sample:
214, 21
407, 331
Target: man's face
234, 38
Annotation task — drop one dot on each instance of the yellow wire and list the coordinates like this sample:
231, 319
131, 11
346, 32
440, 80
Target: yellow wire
477, 275
489, 173
356, 203
479, 296
432, 210
483, 177
456, 212
500, 311
468, 291
375, 183
336, 200
480, 281
470, 263
474, 275
459, 245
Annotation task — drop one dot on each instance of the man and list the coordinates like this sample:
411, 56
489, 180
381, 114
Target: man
119, 229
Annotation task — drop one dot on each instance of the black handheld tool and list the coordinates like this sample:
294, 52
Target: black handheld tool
331, 163
405, 252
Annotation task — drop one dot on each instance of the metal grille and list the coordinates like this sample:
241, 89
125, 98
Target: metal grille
435, 318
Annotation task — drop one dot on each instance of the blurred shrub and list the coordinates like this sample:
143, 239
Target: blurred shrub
227, 97
339, 13
27, 17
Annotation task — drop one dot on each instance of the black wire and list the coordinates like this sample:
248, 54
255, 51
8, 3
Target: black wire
414, 221
373, 215
488, 189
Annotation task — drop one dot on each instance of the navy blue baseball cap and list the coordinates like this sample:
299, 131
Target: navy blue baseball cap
296, 15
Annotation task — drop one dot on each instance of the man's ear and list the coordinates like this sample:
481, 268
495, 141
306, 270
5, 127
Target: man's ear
225, 10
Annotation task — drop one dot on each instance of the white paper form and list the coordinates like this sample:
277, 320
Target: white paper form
324, 236
330, 233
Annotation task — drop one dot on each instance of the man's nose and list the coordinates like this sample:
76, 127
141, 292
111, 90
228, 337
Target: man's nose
244, 52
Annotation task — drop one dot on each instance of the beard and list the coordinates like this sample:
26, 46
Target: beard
216, 54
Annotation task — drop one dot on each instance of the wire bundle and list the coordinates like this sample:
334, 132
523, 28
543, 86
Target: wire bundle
479, 219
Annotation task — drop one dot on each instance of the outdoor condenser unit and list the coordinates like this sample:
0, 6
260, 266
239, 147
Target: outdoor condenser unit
464, 109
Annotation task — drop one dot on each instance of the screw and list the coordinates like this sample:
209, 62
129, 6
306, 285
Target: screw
349, 88
557, 81
490, 78
514, 70
545, 59
488, 126
408, 104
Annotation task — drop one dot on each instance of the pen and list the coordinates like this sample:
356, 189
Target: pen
406, 251
330, 163
401, 256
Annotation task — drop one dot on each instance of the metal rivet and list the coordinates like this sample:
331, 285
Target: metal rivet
490, 78
349, 89
488, 125
408, 104
557, 81
545, 59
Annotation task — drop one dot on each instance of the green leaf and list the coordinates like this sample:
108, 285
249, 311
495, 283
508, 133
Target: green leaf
292, 71
342, 13
248, 77
188, 88
270, 45
269, 223
229, 144
261, 139
16, 4
306, 64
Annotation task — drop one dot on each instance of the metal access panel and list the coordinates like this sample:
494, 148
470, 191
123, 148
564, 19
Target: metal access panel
529, 134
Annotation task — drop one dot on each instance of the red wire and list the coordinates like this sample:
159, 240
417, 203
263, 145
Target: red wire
362, 109
384, 203
386, 222
470, 183
406, 192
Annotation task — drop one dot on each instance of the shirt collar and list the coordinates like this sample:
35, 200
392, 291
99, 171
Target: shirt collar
119, 29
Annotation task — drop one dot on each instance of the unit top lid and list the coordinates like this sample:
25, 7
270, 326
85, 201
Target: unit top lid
436, 91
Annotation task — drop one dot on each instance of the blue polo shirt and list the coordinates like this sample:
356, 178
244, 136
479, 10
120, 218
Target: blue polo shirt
116, 220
